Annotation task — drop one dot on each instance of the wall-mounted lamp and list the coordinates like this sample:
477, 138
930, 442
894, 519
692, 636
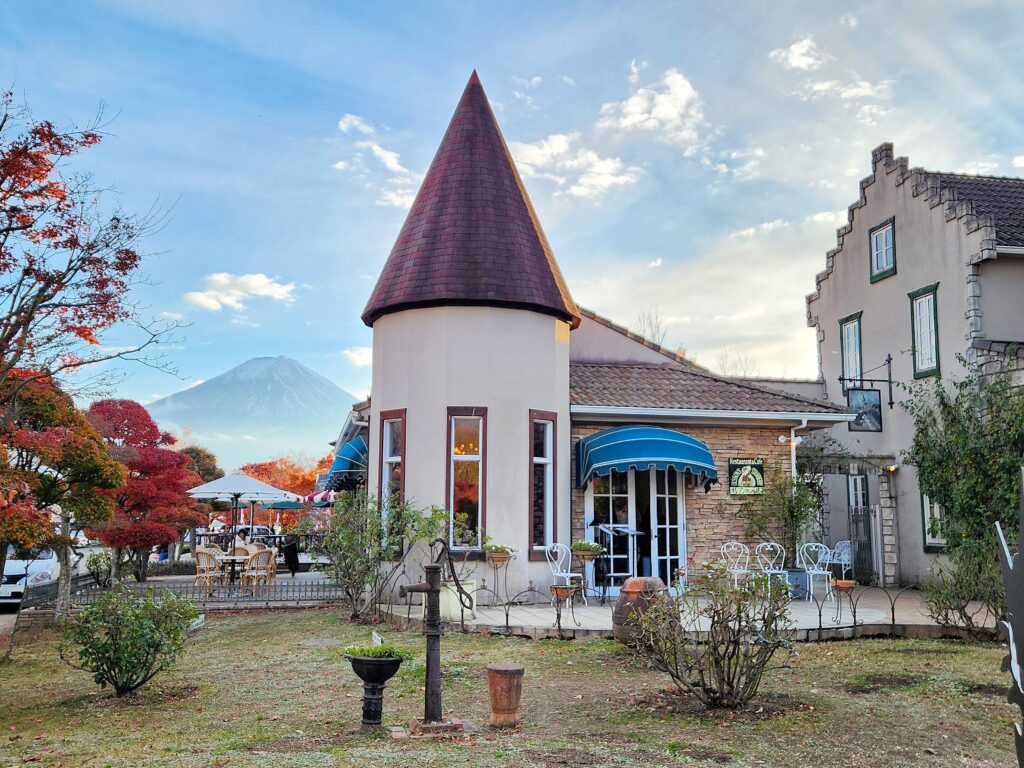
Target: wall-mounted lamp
783, 439
892, 468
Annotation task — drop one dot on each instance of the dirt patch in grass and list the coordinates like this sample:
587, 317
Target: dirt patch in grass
669, 701
881, 683
987, 689
148, 696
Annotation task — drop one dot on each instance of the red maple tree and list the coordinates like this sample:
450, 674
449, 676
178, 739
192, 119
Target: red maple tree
288, 474
152, 507
22, 525
66, 265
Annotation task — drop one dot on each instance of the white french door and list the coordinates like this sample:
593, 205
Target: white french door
668, 524
659, 549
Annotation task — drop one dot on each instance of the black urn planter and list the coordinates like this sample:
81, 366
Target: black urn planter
374, 671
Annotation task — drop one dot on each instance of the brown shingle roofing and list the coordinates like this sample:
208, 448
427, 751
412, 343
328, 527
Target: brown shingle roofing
1002, 197
472, 236
636, 385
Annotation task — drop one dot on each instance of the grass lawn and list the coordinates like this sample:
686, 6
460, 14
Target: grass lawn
253, 691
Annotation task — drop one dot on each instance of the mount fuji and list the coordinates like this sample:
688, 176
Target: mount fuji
264, 408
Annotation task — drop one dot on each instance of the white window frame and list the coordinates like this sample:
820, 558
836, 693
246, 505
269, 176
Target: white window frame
548, 461
454, 459
391, 457
851, 357
880, 248
932, 511
924, 328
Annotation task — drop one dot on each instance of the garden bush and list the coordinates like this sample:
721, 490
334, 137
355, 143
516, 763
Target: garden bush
125, 639
740, 629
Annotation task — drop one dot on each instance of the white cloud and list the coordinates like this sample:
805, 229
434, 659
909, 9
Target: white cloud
870, 114
567, 80
360, 357
172, 315
528, 82
835, 218
802, 55
982, 166
396, 198
743, 164
1018, 161
386, 157
848, 20
635, 68
223, 289
576, 170
856, 88
767, 226
341, 165
525, 97
671, 108
355, 123
654, 264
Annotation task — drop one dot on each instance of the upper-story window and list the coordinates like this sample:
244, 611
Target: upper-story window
934, 516
466, 430
542, 479
882, 248
391, 451
850, 351
925, 330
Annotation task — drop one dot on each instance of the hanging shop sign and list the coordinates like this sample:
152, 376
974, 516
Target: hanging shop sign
746, 477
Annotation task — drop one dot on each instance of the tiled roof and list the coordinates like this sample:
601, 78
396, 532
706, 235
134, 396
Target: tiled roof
472, 236
636, 385
1002, 197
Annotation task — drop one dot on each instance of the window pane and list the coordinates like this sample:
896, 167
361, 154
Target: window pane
466, 502
601, 510
620, 482
600, 484
467, 436
620, 509
393, 446
540, 439
539, 505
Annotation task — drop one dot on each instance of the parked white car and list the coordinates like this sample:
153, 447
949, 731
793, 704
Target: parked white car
35, 572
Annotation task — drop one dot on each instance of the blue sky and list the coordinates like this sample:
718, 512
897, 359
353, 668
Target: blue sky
691, 157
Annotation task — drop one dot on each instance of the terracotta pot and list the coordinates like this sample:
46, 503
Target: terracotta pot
584, 555
498, 559
634, 597
505, 684
844, 585
563, 591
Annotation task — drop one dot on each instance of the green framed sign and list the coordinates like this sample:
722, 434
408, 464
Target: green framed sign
746, 477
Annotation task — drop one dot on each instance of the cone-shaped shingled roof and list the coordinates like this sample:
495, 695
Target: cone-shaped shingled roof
472, 236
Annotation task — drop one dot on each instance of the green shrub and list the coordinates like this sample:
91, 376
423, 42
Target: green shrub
125, 639
383, 651
588, 546
740, 629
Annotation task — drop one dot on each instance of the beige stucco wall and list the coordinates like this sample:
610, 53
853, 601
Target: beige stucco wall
929, 249
594, 342
1002, 298
508, 361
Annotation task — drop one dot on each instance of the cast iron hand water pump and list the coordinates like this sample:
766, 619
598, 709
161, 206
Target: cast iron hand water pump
432, 628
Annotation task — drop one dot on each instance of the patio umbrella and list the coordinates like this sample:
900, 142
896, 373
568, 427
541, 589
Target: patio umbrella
240, 488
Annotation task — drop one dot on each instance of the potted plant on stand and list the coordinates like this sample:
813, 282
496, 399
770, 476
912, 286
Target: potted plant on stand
586, 551
375, 665
498, 554
786, 512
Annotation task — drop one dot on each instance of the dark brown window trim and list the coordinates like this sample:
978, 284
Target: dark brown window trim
480, 411
394, 414
537, 415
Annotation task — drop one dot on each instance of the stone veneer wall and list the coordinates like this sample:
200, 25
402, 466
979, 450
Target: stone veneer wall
713, 518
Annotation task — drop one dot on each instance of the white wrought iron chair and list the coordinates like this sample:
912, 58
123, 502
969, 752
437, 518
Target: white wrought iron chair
770, 557
842, 557
815, 559
736, 555
560, 560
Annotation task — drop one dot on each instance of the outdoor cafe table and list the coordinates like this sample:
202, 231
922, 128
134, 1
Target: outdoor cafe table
234, 560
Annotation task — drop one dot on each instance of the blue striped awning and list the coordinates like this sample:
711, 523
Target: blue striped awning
350, 458
642, 447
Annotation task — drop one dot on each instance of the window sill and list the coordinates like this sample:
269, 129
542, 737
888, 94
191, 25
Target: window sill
876, 276
935, 549
926, 373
